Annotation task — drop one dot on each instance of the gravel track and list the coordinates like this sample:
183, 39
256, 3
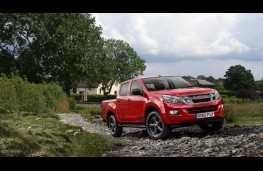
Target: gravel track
230, 141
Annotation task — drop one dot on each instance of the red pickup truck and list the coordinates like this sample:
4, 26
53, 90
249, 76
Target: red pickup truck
162, 103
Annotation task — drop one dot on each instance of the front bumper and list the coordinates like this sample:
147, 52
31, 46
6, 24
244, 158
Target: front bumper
187, 112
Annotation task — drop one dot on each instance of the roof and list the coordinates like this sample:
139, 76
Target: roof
200, 82
204, 82
83, 84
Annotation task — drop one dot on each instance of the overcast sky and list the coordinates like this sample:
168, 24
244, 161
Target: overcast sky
190, 44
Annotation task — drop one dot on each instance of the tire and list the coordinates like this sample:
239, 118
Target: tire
115, 129
210, 127
155, 127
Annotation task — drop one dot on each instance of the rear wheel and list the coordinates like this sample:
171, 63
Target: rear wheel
213, 126
115, 129
155, 127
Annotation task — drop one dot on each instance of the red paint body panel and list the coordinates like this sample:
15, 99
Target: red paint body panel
132, 109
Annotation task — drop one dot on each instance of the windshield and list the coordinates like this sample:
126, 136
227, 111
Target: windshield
165, 83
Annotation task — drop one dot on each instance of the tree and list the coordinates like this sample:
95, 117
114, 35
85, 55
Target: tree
237, 77
119, 62
188, 77
51, 47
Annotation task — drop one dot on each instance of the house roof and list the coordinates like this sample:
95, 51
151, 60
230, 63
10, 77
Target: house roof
200, 82
204, 82
83, 84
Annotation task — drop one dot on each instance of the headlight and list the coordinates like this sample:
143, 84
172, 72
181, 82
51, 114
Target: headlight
217, 95
172, 99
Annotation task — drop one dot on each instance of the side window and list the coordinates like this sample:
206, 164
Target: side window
124, 89
135, 85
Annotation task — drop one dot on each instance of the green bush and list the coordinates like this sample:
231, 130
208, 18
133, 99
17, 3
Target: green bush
236, 100
77, 97
8, 97
18, 95
227, 93
98, 97
72, 103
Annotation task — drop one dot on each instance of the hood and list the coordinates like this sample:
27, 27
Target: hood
183, 91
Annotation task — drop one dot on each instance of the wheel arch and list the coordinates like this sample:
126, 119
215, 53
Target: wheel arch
109, 113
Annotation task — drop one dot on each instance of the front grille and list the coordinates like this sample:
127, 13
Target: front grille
202, 109
201, 100
198, 98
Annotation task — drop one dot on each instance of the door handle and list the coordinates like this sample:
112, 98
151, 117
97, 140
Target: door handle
129, 100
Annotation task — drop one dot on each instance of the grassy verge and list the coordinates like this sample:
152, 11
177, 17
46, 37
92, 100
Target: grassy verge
89, 111
244, 114
45, 135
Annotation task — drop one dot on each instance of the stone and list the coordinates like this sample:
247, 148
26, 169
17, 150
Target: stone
223, 154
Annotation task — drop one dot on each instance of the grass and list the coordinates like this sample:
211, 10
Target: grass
88, 111
244, 114
45, 135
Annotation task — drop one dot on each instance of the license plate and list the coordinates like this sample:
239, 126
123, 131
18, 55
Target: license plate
204, 115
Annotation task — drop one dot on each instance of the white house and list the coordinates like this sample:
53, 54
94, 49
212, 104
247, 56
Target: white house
82, 88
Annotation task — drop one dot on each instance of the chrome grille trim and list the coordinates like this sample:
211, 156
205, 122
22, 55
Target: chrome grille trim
198, 98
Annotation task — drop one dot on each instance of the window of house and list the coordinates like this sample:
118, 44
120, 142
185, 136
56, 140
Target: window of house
124, 89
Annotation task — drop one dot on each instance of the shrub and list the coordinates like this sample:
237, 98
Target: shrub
247, 93
18, 95
62, 106
227, 93
236, 100
98, 97
77, 97
8, 97
72, 103
52, 93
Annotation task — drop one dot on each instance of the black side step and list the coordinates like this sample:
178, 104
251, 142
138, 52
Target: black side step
132, 125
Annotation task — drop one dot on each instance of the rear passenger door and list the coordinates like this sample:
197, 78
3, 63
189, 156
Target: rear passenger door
122, 103
136, 103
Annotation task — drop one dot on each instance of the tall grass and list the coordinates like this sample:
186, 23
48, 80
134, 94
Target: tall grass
89, 110
45, 135
246, 113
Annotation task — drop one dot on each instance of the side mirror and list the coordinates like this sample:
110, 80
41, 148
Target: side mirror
136, 91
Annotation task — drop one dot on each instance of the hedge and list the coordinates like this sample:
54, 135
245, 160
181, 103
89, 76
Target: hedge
93, 97
18, 95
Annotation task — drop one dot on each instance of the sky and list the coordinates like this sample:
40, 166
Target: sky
190, 44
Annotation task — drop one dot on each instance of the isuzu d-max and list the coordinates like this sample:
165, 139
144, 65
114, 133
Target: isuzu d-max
162, 103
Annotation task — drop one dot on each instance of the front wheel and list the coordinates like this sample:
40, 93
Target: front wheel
210, 127
155, 127
115, 129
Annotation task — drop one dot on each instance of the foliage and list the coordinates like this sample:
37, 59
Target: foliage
77, 97
99, 97
227, 93
237, 77
228, 100
247, 93
62, 106
209, 78
119, 62
51, 47
18, 95
72, 103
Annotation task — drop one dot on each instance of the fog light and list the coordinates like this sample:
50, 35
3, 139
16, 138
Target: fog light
174, 112
221, 106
